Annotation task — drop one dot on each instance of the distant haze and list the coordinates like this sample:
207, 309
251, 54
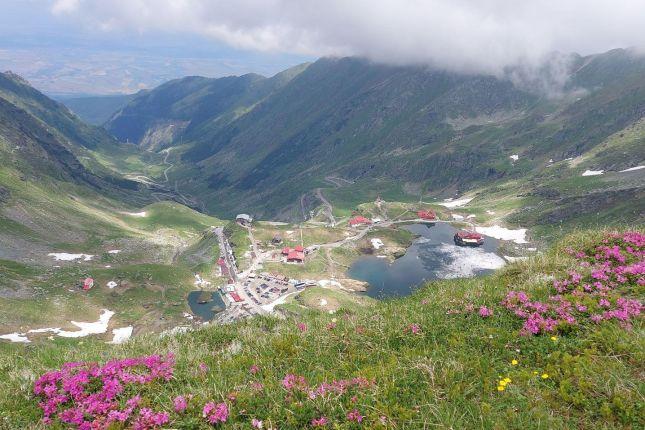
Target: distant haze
462, 35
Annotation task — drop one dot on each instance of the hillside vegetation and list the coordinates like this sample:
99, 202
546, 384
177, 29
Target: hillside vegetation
552, 342
263, 145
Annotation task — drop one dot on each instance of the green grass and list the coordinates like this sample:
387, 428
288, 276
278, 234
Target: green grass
444, 377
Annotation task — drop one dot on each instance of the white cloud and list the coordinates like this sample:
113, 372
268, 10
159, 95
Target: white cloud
467, 35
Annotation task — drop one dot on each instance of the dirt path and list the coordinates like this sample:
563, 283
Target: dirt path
328, 208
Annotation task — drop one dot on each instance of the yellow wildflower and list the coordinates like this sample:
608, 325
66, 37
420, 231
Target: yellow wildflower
535, 372
514, 362
507, 380
545, 376
554, 338
500, 388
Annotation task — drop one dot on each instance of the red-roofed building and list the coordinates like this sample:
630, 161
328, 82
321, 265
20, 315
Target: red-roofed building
294, 255
236, 297
359, 220
427, 215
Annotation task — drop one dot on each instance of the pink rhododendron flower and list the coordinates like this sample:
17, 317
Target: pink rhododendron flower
414, 328
484, 312
319, 422
354, 415
302, 327
215, 413
180, 404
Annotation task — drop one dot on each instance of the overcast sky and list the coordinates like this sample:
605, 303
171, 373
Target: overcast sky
461, 35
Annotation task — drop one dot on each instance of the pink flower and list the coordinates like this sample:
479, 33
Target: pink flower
414, 328
319, 422
291, 381
256, 424
203, 367
302, 327
484, 312
254, 369
331, 326
215, 413
354, 415
180, 404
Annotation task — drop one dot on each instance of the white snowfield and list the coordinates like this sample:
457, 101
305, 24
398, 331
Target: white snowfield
517, 236
377, 243
137, 214
513, 259
64, 256
86, 329
450, 203
114, 251
631, 169
593, 172
121, 335
514, 157
15, 337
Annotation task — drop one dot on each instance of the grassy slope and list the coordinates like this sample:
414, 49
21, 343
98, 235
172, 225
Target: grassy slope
445, 377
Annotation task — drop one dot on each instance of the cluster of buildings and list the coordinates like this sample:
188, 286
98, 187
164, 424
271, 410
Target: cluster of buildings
294, 255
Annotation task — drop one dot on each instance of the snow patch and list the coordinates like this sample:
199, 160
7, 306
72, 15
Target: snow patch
111, 284
467, 261
377, 243
87, 328
121, 335
15, 337
199, 282
631, 169
64, 256
450, 203
137, 214
471, 216
514, 157
323, 302
457, 217
592, 172
513, 259
490, 212
517, 236
326, 283
114, 251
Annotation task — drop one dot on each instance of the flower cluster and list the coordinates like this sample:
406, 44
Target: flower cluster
595, 292
90, 396
215, 412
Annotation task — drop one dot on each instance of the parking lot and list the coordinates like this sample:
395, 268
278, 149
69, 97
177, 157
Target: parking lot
266, 288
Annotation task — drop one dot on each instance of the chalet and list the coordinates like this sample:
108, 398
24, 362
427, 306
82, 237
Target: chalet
294, 255
468, 238
427, 215
244, 219
358, 221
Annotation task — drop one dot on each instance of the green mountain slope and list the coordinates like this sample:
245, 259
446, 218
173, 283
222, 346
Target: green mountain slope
434, 359
96, 110
402, 131
155, 118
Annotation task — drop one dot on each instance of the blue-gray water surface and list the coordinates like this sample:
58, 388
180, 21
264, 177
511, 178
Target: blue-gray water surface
433, 255
206, 311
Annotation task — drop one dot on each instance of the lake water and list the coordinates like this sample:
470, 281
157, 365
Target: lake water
433, 255
206, 311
